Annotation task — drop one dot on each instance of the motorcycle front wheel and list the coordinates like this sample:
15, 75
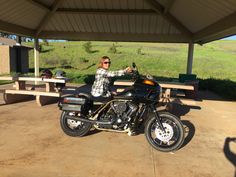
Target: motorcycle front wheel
72, 127
166, 141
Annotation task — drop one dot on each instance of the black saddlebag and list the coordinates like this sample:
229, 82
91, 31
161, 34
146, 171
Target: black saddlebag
75, 103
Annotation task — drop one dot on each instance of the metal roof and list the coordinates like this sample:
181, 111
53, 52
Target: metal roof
199, 21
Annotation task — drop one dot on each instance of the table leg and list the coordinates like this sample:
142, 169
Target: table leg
20, 85
44, 100
50, 87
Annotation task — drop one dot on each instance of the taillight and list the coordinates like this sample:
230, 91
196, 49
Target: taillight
74, 100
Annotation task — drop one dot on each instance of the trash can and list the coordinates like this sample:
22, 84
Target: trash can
192, 93
187, 77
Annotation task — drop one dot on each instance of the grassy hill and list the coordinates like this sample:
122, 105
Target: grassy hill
213, 60
214, 63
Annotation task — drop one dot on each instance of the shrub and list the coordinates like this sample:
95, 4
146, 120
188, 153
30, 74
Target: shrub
64, 62
83, 60
224, 88
139, 51
112, 49
88, 47
52, 62
45, 42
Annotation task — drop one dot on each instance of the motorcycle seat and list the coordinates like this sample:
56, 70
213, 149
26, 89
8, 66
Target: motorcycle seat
96, 100
100, 100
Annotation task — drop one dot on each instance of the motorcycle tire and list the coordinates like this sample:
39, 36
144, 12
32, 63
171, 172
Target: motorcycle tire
74, 128
173, 137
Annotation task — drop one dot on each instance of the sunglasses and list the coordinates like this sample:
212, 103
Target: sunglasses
107, 62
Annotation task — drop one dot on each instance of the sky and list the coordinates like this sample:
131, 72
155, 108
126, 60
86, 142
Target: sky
230, 38
227, 38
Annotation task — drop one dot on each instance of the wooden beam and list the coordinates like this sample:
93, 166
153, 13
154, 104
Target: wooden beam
166, 85
39, 5
7, 78
15, 29
35, 79
107, 11
171, 19
30, 92
48, 16
55, 80
216, 28
125, 37
168, 6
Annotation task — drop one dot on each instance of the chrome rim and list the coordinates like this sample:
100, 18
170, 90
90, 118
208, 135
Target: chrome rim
73, 124
166, 135
165, 139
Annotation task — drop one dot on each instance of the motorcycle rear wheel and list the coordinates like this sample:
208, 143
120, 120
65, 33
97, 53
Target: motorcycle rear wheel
171, 139
72, 127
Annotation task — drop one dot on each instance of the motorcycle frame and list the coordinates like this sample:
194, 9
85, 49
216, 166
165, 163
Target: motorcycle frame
143, 108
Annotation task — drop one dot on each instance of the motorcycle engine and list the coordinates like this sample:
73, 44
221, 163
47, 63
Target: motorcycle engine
120, 113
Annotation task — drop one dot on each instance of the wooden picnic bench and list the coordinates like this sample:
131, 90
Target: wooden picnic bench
165, 85
44, 95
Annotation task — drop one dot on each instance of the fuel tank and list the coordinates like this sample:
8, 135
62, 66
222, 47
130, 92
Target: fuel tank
143, 90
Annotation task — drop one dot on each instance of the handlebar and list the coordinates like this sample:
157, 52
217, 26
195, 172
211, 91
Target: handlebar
136, 74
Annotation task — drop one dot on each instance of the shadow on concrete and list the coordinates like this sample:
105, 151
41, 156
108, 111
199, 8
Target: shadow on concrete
3, 104
92, 132
14, 98
189, 129
229, 154
180, 109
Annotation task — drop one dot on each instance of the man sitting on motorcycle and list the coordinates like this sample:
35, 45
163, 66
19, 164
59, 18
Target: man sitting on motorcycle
101, 86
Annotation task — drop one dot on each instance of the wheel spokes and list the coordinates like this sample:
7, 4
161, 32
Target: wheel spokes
167, 138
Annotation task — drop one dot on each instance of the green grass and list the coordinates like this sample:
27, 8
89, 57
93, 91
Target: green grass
5, 82
216, 59
214, 63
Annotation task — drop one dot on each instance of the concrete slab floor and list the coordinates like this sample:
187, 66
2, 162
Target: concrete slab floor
33, 144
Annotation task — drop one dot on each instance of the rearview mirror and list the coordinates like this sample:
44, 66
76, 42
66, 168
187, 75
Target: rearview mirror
133, 65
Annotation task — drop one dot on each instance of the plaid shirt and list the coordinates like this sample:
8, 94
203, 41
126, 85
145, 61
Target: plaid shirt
102, 82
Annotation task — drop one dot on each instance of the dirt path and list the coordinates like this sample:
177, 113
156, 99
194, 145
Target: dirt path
32, 144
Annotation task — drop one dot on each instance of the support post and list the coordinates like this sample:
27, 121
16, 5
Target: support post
36, 58
18, 39
190, 58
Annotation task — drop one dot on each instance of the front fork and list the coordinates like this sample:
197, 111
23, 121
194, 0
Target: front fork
158, 118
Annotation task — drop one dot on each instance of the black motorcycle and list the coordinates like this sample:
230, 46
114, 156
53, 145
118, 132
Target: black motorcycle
131, 111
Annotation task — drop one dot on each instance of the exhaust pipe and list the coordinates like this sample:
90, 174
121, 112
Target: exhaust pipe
87, 120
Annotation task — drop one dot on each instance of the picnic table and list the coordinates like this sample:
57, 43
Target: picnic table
45, 92
167, 86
